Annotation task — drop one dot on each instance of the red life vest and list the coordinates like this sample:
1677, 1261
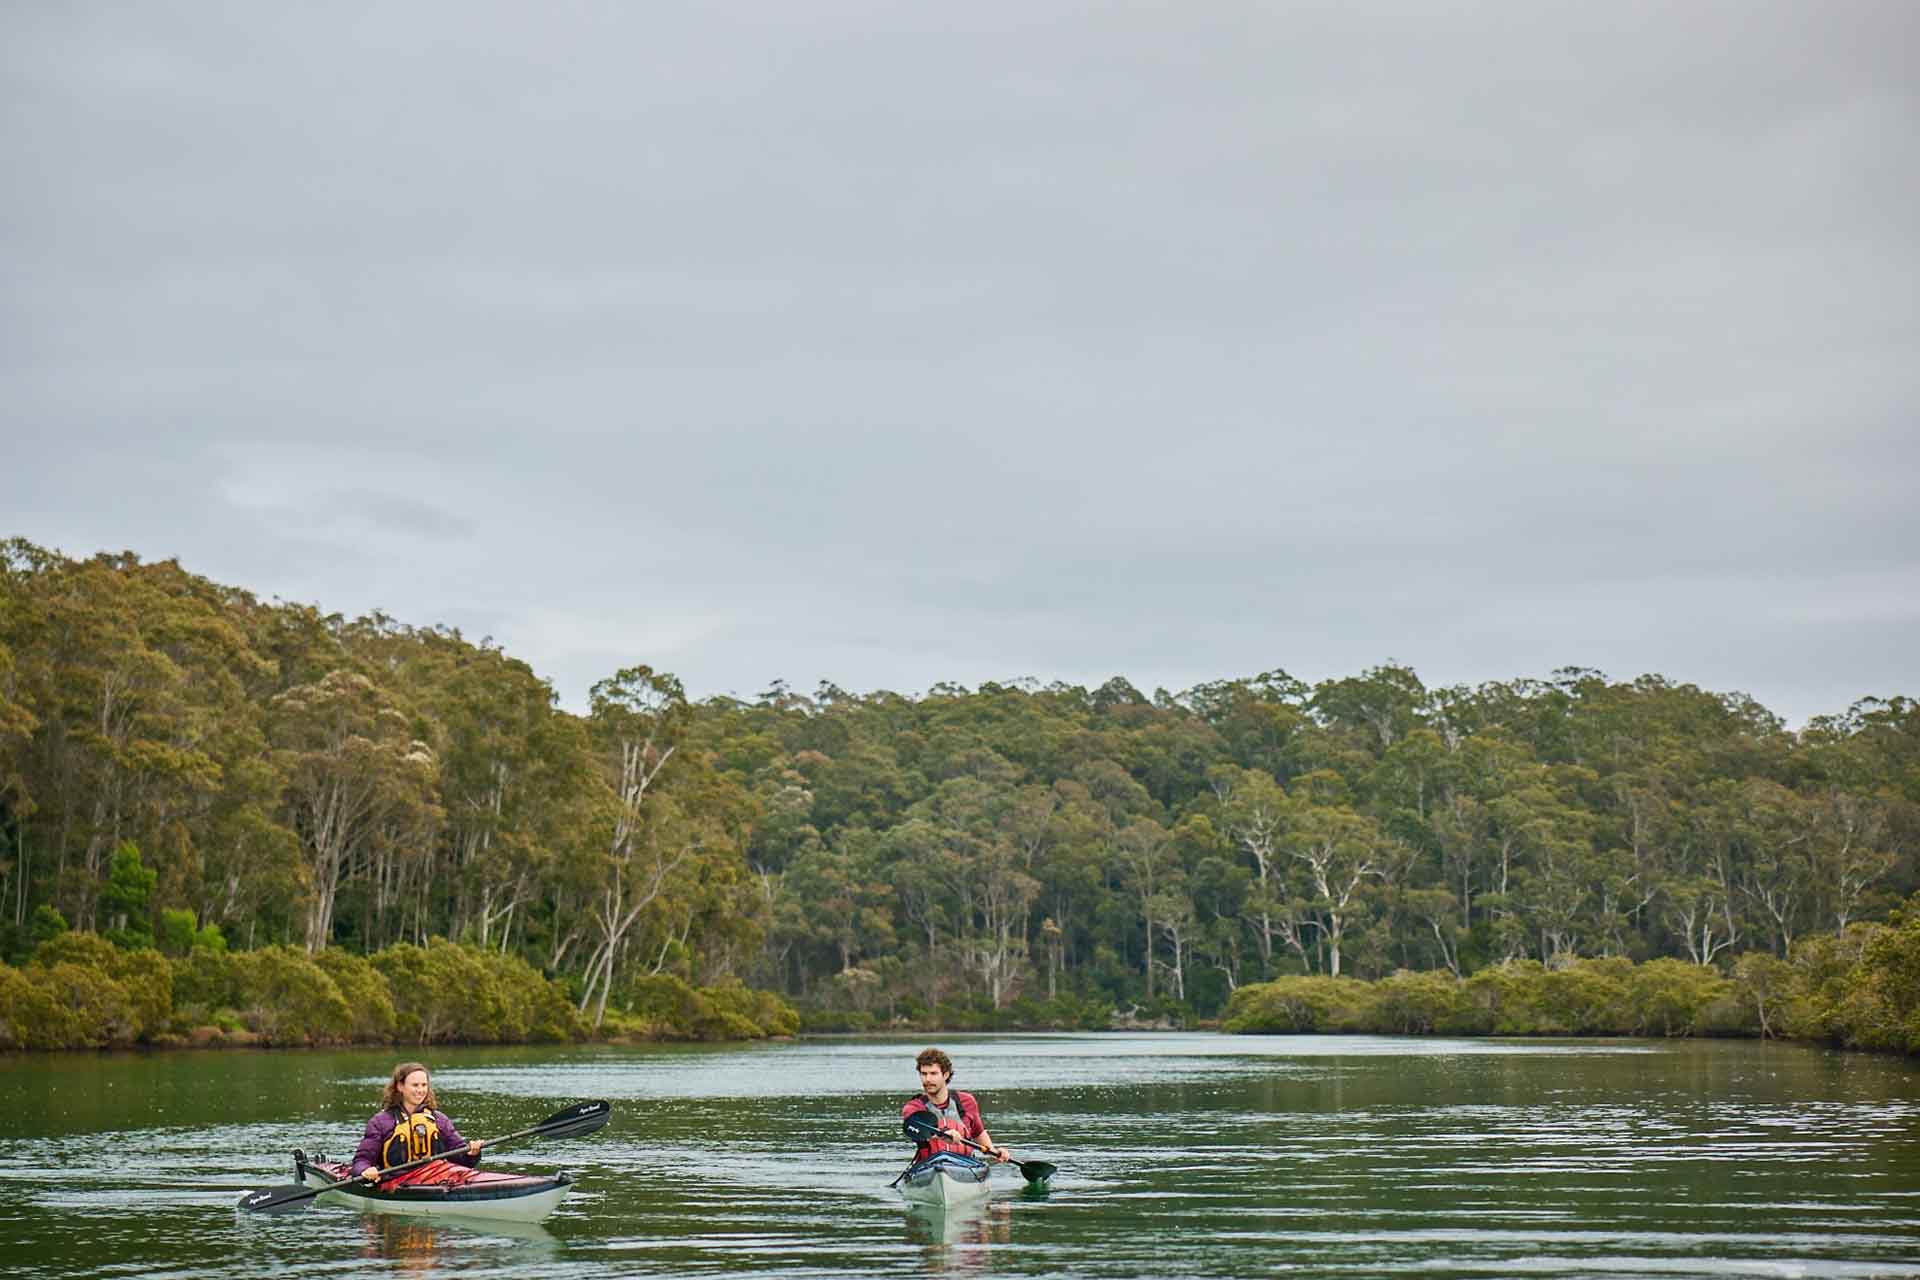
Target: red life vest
970, 1124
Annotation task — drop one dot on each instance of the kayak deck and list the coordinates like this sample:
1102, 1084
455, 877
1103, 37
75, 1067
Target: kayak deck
480, 1193
945, 1178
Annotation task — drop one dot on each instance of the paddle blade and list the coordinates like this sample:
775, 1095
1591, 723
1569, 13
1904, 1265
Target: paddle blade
920, 1126
1036, 1170
290, 1197
576, 1121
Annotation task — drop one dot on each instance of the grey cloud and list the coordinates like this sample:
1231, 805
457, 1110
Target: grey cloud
891, 345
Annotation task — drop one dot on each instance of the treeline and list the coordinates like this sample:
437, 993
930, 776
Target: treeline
80, 991
296, 779
1022, 851
1859, 989
967, 851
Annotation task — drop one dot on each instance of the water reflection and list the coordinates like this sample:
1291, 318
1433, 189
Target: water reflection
411, 1243
417, 1245
1182, 1155
957, 1238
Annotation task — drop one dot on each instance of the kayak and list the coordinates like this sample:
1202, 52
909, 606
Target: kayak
480, 1193
944, 1178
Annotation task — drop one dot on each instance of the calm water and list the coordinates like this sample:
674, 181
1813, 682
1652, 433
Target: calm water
1180, 1155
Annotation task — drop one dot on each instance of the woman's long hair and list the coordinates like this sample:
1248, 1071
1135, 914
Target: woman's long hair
394, 1100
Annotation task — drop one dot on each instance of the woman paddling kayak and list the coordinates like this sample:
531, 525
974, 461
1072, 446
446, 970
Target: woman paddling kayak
407, 1127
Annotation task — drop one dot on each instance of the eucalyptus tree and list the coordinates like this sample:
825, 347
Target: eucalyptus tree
515, 776
1382, 704
357, 782
1337, 851
1850, 846
978, 818
1219, 887
1551, 877
1260, 719
1070, 867
1253, 813
636, 720
1142, 852
17, 726
134, 679
847, 906
1769, 825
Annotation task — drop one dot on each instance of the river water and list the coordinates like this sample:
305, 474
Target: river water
1179, 1155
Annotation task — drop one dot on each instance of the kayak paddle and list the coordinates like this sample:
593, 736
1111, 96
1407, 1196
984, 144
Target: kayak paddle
577, 1121
921, 1125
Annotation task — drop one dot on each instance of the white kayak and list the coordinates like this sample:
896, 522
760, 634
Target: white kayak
511, 1197
945, 1178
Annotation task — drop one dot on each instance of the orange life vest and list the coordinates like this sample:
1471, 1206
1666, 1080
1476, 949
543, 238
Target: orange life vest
414, 1137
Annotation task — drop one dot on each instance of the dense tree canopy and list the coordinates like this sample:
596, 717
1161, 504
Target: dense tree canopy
296, 779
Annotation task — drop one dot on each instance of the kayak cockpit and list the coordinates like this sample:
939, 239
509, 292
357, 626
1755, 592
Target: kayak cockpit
440, 1189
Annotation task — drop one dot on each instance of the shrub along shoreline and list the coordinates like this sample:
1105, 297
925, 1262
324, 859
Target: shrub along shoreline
80, 991
1859, 989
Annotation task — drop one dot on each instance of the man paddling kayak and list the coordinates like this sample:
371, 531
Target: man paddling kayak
953, 1112
407, 1127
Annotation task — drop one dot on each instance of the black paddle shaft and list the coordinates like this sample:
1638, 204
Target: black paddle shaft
577, 1121
921, 1125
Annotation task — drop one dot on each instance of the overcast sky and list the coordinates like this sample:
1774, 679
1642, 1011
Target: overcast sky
896, 343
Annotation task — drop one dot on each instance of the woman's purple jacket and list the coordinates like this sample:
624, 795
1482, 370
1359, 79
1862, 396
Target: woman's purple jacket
380, 1128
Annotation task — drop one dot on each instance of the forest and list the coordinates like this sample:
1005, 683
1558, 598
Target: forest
187, 768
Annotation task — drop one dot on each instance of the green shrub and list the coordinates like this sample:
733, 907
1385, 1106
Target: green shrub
1763, 990
64, 1005
16, 994
1297, 1005
1861, 990
1585, 998
445, 993
1671, 997
142, 978
205, 980
1890, 973
285, 998
1411, 1003
76, 947
1505, 997
47, 923
1827, 1001
766, 1013
366, 992
835, 1021
147, 979
175, 933
438, 991
532, 1007
675, 1008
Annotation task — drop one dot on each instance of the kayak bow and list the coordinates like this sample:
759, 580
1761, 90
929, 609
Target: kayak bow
944, 1178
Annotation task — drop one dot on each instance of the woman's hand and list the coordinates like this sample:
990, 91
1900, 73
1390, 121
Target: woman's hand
370, 1174
473, 1147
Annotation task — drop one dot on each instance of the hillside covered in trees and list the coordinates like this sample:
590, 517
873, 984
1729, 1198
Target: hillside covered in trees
178, 757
